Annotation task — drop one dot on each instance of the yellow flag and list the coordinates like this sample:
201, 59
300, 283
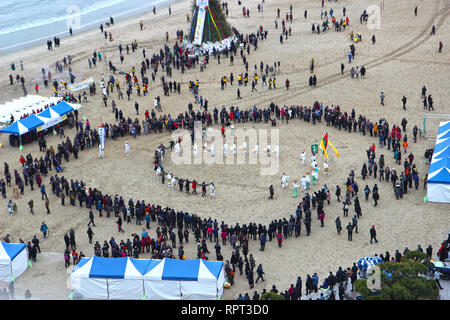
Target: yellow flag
337, 153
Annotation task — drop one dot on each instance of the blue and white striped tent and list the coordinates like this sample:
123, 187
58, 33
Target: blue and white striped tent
368, 262
13, 260
131, 279
40, 121
438, 189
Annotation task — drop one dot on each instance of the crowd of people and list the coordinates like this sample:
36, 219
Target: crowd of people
176, 226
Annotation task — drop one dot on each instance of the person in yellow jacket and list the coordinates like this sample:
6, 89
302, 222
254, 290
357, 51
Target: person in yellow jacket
240, 79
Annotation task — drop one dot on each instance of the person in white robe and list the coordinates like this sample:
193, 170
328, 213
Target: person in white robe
169, 179
233, 148
303, 180
158, 171
127, 148
308, 181
213, 152
211, 190
172, 182
313, 161
303, 157
284, 179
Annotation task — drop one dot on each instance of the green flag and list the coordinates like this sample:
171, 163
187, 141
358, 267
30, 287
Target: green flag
314, 148
21, 148
11, 279
29, 264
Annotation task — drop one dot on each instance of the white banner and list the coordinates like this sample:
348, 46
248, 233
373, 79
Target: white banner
200, 25
101, 133
51, 123
82, 85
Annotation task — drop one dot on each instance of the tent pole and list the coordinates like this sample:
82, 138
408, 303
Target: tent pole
107, 288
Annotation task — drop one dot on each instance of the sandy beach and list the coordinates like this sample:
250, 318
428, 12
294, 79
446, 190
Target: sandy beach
404, 59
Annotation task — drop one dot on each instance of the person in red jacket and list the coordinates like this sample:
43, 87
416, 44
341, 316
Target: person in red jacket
22, 160
194, 187
279, 239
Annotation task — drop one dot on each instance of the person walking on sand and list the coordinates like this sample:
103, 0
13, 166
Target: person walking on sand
47, 204
382, 98
271, 192
373, 235
119, 224
31, 204
90, 233
43, 192
350, 231
91, 218
338, 225
44, 229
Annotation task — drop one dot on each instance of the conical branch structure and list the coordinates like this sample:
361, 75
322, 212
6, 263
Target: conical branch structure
212, 25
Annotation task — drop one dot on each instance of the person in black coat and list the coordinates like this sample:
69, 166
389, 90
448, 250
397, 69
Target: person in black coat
250, 279
373, 235
341, 292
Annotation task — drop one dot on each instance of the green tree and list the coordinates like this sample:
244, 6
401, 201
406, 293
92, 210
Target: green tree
404, 280
271, 296
209, 29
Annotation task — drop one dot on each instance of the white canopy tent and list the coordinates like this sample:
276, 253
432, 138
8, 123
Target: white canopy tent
13, 260
438, 184
167, 279
24, 105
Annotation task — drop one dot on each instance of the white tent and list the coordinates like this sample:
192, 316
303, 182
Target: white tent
438, 184
13, 260
167, 279
24, 105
